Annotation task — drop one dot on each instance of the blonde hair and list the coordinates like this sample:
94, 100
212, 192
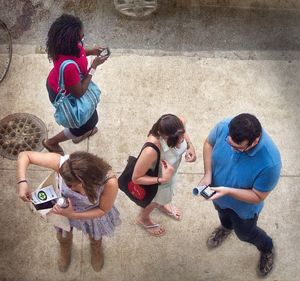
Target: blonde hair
87, 169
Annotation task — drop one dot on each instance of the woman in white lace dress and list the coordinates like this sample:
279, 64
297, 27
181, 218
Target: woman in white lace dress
170, 136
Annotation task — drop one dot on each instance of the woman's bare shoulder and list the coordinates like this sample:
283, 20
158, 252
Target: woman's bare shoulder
154, 140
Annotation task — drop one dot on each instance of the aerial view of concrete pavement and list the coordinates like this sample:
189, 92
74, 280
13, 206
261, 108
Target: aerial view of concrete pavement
204, 60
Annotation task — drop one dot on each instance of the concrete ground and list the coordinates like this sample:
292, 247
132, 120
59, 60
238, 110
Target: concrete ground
204, 63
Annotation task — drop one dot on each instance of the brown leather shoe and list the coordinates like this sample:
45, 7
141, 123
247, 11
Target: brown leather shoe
217, 237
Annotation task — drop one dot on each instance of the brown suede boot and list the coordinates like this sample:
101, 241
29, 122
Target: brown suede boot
64, 258
97, 259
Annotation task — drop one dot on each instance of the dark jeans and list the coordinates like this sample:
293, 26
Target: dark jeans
245, 230
89, 125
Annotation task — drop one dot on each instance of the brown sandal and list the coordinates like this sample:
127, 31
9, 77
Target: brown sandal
86, 135
57, 149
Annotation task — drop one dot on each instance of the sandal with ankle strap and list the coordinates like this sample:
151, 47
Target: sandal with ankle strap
58, 149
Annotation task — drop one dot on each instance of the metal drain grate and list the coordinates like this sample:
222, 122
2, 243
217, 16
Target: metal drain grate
20, 132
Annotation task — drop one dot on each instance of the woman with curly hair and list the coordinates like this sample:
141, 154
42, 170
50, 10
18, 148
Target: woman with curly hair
64, 42
90, 188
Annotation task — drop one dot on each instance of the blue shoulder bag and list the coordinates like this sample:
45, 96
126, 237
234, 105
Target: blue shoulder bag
72, 112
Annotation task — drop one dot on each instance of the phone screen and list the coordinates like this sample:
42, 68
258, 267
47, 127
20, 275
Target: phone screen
207, 192
105, 52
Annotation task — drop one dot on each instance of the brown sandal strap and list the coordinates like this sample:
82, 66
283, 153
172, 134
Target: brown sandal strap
50, 149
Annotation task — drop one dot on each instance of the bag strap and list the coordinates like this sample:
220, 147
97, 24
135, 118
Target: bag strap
147, 144
59, 183
61, 83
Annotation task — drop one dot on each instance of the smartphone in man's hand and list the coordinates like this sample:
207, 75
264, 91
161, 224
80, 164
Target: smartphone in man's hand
207, 192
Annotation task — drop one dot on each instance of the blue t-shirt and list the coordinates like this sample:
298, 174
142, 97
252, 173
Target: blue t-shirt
257, 168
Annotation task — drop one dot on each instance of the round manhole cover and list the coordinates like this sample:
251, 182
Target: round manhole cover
20, 132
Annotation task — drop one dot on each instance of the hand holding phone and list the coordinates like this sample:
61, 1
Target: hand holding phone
204, 190
104, 52
207, 192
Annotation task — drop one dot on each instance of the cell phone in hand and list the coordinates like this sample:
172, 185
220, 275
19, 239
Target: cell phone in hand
207, 192
104, 53
203, 190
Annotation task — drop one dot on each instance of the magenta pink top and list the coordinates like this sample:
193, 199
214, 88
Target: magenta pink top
71, 74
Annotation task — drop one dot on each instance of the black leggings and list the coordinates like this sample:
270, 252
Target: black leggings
89, 125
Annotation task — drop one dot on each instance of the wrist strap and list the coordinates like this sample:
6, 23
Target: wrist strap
21, 181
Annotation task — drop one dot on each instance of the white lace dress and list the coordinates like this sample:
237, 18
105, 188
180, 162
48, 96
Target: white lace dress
173, 156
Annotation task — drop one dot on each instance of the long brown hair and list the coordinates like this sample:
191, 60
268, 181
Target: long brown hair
169, 126
85, 168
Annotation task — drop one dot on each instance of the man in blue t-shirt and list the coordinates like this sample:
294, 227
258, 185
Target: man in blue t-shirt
242, 164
